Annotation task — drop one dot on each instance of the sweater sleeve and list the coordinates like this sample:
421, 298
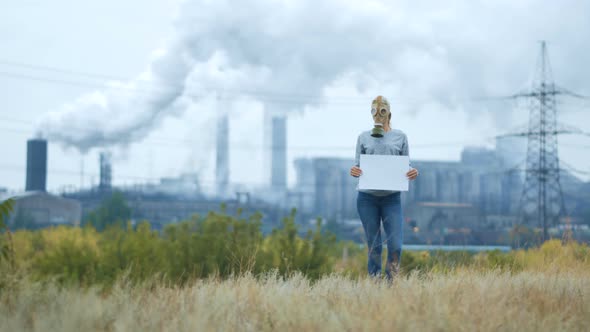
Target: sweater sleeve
357, 158
406, 149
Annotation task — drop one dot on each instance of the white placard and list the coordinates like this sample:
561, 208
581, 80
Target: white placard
384, 172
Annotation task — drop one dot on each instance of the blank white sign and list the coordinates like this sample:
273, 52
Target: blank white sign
384, 172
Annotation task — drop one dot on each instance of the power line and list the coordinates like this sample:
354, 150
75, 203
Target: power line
573, 169
60, 70
167, 141
102, 76
575, 146
270, 96
572, 94
225, 94
212, 182
119, 78
12, 130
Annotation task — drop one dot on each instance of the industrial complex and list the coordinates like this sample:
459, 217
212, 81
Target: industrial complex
474, 200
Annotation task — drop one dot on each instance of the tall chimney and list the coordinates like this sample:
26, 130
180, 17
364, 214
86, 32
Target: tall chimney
105, 172
36, 165
278, 145
222, 157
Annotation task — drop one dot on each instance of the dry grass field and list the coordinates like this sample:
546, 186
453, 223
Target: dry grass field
464, 300
73, 279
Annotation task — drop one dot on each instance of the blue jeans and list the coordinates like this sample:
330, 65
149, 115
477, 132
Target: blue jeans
386, 210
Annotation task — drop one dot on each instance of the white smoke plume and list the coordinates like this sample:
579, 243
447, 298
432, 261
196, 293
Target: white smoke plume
286, 53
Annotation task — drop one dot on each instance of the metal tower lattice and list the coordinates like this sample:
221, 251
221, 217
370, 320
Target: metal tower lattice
542, 200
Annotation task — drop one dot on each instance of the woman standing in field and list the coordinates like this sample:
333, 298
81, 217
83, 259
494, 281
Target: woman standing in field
382, 207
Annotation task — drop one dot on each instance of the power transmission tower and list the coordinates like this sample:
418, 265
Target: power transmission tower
542, 200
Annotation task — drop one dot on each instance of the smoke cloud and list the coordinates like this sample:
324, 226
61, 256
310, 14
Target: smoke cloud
285, 54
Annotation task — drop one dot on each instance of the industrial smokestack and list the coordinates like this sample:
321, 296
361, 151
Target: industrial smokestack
278, 178
222, 157
36, 165
105, 172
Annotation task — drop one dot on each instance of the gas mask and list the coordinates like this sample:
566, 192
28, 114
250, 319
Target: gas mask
381, 114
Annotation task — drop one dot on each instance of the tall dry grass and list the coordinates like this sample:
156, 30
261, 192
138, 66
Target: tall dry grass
464, 300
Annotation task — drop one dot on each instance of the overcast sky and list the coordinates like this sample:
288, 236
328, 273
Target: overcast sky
146, 79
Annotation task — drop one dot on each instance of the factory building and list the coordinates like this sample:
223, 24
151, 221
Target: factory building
36, 207
161, 208
441, 217
456, 193
325, 188
479, 179
179, 198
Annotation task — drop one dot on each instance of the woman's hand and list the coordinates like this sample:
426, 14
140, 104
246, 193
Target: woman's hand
355, 171
412, 174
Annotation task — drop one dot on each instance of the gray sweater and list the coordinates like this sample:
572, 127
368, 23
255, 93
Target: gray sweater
394, 142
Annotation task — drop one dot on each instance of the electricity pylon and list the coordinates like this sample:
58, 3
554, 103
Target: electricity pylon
542, 200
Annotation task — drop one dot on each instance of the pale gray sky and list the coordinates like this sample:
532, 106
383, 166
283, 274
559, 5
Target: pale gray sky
430, 59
